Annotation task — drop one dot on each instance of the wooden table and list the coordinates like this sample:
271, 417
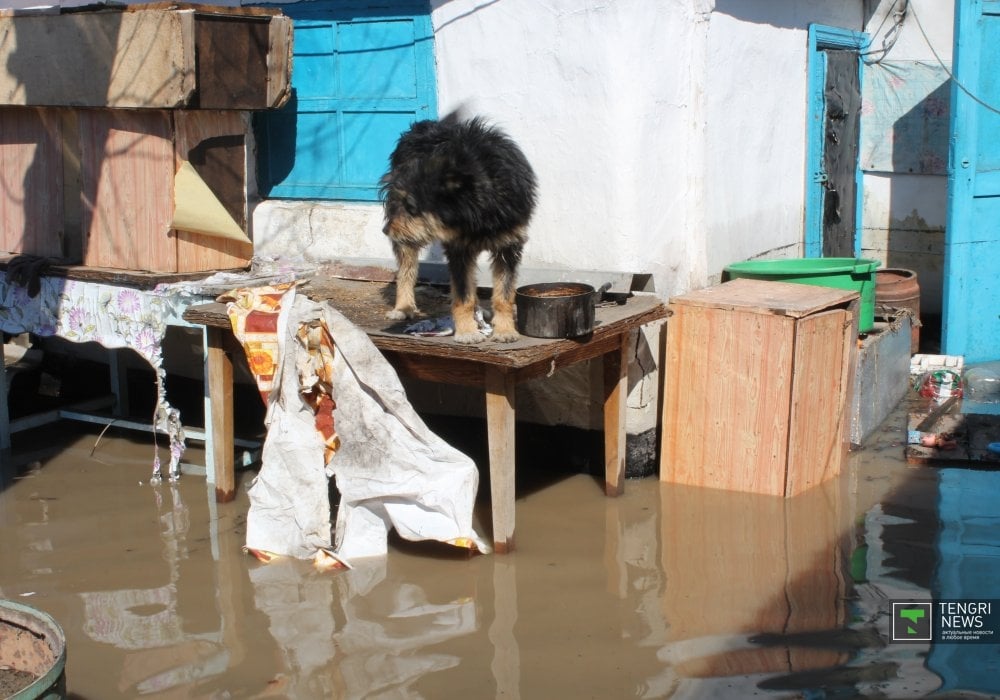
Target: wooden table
496, 368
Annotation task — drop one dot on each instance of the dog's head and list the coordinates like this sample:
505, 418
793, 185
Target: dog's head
423, 174
454, 175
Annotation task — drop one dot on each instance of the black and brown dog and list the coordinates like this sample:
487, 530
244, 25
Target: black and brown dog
468, 185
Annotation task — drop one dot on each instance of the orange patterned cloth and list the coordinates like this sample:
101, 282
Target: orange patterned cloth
254, 314
316, 382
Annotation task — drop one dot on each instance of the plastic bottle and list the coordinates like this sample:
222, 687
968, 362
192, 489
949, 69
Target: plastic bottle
982, 382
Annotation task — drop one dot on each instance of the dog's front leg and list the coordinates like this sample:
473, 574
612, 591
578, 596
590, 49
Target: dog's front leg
462, 266
407, 265
505, 263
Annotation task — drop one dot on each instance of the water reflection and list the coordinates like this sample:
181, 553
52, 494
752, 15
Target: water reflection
744, 569
968, 568
668, 591
355, 635
147, 621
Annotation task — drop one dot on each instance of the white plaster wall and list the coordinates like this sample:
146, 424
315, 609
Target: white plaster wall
903, 214
755, 140
604, 98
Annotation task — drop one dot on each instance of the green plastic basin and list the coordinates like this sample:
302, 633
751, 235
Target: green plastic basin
854, 274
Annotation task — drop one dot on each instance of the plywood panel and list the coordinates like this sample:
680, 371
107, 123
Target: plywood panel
769, 297
127, 166
725, 421
31, 169
819, 415
98, 59
243, 62
214, 142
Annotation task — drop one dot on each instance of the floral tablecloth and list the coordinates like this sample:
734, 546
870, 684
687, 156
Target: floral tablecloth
114, 317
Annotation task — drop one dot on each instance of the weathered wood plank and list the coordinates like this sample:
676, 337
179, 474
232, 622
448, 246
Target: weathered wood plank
725, 420
139, 279
764, 297
98, 59
615, 396
219, 385
127, 165
214, 142
363, 303
817, 440
243, 62
500, 422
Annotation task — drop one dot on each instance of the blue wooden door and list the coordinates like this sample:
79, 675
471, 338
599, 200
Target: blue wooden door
970, 323
833, 184
361, 74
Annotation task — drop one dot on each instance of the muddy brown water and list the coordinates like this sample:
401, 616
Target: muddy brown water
667, 591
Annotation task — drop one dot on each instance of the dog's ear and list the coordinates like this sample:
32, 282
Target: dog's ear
457, 115
410, 204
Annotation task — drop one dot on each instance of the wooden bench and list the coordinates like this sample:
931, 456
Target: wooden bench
495, 368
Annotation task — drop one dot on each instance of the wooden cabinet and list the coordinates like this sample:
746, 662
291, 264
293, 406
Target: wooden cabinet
125, 132
757, 386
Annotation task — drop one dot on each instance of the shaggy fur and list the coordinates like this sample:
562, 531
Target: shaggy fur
468, 185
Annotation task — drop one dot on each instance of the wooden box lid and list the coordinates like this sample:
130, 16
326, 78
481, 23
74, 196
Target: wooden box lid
765, 297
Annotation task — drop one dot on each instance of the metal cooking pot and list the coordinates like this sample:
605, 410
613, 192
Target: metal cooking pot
557, 309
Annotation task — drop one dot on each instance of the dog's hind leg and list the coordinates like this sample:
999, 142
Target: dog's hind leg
505, 263
462, 266
406, 279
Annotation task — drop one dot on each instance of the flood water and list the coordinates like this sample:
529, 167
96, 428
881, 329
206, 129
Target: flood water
667, 591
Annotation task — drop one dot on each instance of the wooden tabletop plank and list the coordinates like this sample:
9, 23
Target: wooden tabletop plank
365, 304
137, 279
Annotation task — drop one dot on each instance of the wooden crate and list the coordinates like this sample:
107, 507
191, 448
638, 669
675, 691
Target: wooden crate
147, 57
96, 186
758, 385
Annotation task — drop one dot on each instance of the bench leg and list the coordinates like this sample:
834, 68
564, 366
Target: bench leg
615, 400
219, 438
500, 431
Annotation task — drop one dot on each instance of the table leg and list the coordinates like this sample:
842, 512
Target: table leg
119, 382
500, 434
5, 450
615, 400
4, 409
219, 438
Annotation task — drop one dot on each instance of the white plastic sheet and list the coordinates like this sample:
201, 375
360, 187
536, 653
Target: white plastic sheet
391, 471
